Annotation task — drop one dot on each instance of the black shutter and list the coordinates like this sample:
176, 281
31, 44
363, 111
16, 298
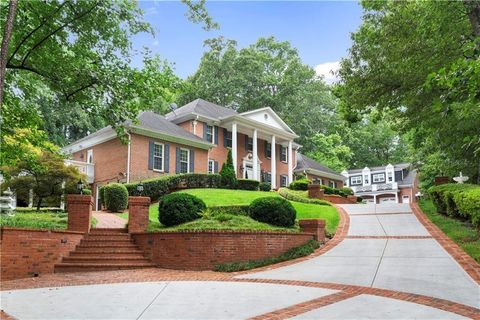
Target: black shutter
166, 160
215, 167
204, 131
192, 161
151, 148
177, 160
246, 143
215, 136
225, 135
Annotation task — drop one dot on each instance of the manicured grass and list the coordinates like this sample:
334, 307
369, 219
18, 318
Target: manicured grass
226, 197
40, 220
220, 221
293, 253
462, 233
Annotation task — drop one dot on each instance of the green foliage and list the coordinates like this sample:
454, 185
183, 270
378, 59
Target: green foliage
40, 220
301, 251
331, 151
265, 186
229, 179
233, 209
247, 184
45, 174
273, 210
457, 200
116, 197
347, 191
299, 184
300, 196
101, 192
158, 187
87, 192
178, 208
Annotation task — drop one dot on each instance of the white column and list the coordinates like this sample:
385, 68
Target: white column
234, 146
290, 162
255, 155
396, 197
274, 164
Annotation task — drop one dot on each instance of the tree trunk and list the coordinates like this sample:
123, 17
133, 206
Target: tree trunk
12, 8
39, 203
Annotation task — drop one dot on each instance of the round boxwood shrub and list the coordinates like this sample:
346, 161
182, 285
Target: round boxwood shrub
273, 210
178, 208
116, 197
301, 184
265, 186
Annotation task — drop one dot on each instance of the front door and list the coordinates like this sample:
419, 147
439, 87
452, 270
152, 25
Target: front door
248, 171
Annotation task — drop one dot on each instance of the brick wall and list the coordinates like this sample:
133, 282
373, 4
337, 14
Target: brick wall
325, 181
204, 250
25, 252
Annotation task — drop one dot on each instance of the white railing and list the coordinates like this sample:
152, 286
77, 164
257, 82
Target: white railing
375, 187
87, 169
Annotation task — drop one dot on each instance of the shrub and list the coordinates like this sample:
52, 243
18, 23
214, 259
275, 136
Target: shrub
328, 190
273, 210
87, 192
347, 191
229, 179
468, 204
301, 184
265, 186
178, 208
247, 184
293, 196
300, 177
101, 192
158, 187
442, 196
116, 197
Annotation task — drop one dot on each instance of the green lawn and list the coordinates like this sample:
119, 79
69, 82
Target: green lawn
40, 220
226, 197
462, 233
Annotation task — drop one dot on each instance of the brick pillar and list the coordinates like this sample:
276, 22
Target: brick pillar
315, 226
79, 209
138, 214
314, 191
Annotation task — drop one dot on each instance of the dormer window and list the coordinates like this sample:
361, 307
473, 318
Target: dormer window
379, 177
356, 180
390, 177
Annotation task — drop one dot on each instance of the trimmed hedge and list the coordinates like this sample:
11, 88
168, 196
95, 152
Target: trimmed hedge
265, 186
284, 192
178, 208
247, 184
237, 210
301, 184
273, 210
116, 197
158, 187
101, 192
457, 200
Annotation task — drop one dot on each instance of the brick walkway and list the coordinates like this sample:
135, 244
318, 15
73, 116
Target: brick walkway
403, 303
108, 220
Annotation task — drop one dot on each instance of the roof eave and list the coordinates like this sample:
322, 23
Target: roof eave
256, 124
321, 173
167, 137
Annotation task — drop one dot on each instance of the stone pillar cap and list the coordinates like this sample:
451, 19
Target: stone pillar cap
79, 198
138, 200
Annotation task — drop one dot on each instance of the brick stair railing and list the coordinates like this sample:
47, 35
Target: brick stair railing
104, 249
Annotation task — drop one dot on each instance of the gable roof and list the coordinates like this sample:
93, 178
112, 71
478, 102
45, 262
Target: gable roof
304, 163
268, 117
398, 166
200, 107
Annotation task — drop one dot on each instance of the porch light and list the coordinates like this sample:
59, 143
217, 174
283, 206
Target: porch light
80, 186
140, 188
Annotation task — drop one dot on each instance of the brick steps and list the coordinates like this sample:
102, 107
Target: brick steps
104, 249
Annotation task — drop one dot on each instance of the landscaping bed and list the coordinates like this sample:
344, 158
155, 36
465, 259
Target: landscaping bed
37, 220
461, 232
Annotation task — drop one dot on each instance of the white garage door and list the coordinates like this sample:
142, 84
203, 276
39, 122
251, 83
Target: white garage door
387, 200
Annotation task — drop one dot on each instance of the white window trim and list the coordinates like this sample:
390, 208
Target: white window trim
188, 159
208, 166
213, 133
281, 154
250, 149
332, 184
356, 180
227, 139
390, 176
376, 176
89, 153
163, 157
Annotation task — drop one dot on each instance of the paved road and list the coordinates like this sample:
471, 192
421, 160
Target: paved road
386, 247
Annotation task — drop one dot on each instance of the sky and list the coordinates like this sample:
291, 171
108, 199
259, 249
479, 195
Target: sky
320, 31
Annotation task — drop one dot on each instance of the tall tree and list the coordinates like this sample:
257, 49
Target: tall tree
415, 59
7, 33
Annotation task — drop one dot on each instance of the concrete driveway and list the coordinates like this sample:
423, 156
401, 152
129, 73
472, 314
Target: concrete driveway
387, 267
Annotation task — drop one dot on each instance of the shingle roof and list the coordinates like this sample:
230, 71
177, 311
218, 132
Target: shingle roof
398, 166
203, 108
305, 163
153, 121
409, 178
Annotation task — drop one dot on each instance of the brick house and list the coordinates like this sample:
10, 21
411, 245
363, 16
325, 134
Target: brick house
318, 173
194, 138
396, 183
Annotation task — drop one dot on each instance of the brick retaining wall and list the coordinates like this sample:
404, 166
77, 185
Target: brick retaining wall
26, 252
204, 249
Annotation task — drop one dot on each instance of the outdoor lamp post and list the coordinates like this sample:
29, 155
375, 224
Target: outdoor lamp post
140, 188
80, 186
